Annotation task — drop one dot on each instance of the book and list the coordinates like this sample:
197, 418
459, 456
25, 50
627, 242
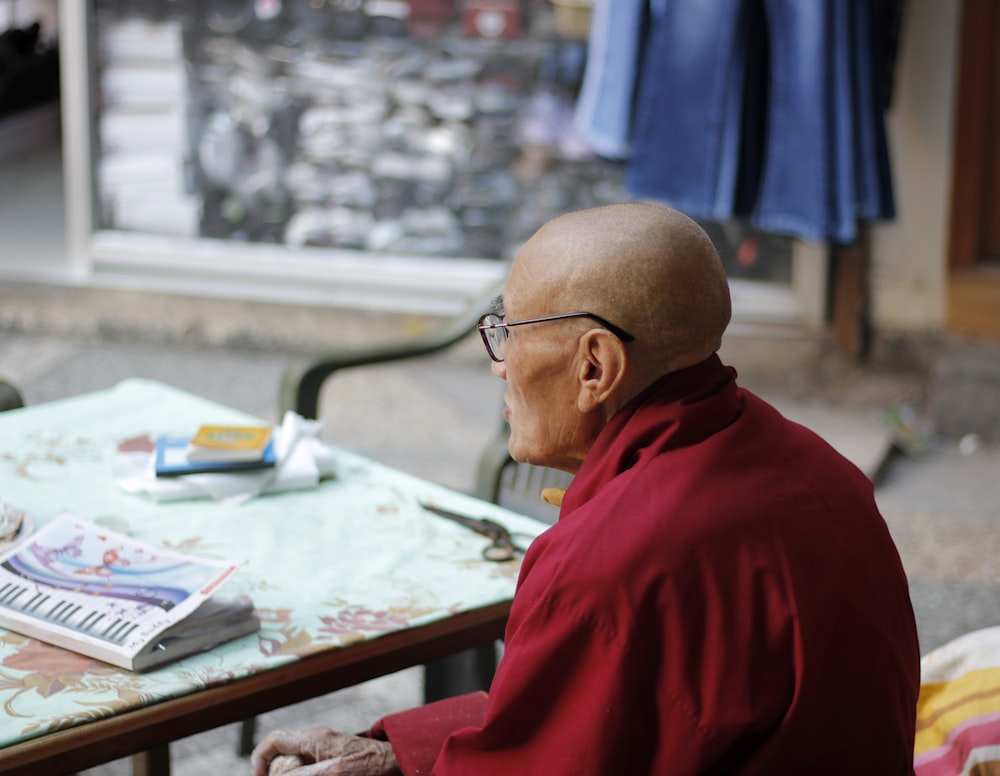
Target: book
106, 595
229, 443
171, 459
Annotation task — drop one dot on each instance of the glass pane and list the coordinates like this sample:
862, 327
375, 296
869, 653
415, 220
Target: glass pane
425, 127
750, 254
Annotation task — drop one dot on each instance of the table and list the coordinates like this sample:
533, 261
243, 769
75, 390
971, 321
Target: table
352, 580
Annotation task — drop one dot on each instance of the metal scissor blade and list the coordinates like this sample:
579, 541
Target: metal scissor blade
478, 524
501, 548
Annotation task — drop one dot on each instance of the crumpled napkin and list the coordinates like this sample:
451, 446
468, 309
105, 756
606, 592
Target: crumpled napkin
302, 461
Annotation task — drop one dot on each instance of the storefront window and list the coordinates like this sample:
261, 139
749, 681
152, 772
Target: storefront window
424, 127
378, 153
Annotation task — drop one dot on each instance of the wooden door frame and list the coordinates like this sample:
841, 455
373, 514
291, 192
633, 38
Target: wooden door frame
973, 95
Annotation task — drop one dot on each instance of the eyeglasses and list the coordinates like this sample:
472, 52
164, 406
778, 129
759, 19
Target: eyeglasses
493, 329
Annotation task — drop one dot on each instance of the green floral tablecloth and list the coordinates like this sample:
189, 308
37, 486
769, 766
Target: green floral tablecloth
349, 560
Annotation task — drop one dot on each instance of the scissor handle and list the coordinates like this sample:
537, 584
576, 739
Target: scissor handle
498, 552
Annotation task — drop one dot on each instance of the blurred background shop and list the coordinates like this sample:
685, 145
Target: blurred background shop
393, 154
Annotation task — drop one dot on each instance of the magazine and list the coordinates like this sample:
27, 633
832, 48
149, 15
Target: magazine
111, 597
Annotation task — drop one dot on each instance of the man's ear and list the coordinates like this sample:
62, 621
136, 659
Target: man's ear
601, 368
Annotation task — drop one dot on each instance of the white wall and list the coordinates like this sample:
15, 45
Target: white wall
909, 255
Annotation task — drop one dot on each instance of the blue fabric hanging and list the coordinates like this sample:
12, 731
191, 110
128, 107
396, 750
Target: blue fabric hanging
767, 109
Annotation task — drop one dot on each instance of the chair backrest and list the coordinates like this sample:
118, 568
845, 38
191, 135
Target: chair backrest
517, 486
521, 486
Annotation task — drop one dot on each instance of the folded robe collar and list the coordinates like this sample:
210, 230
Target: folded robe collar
679, 410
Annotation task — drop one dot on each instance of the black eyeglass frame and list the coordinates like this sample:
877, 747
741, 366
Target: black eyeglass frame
623, 335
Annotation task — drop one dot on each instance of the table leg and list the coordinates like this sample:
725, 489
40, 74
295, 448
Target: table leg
460, 673
154, 762
248, 734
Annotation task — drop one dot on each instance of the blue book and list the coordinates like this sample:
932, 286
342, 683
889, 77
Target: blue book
172, 459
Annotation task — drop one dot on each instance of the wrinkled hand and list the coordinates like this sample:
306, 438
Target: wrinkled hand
325, 753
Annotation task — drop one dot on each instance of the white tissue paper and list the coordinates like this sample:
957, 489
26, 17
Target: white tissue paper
302, 461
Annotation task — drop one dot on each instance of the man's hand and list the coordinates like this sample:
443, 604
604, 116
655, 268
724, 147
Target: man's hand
325, 753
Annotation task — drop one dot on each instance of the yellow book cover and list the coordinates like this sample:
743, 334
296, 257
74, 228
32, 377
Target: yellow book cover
230, 443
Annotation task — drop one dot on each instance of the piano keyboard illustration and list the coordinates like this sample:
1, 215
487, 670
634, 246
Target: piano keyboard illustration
69, 610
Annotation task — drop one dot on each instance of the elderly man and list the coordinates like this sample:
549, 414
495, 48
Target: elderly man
720, 594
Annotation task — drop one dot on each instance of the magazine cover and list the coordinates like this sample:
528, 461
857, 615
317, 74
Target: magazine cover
80, 586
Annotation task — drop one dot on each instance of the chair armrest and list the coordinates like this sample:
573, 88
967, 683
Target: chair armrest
303, 379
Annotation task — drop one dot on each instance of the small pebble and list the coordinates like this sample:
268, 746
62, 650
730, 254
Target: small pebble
968, 444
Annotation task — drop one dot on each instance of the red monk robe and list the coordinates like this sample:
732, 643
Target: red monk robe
720, 595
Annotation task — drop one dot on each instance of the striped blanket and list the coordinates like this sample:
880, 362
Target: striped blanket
958, 711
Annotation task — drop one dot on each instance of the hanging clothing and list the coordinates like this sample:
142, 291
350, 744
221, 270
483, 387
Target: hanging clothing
719, 595
767, 109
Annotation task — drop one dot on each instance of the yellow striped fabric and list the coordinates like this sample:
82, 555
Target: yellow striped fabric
958, 711
944, 705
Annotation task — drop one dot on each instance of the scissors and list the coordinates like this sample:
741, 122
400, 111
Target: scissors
501, 545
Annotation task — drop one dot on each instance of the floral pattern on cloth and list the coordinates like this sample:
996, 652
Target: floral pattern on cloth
351, 560
38, 668
92, 689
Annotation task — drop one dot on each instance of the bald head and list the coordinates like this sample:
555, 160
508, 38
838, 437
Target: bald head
647, 268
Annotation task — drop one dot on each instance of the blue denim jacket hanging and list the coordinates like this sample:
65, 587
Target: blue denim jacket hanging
771, 109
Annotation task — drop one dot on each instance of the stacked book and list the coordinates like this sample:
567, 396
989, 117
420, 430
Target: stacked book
215, 449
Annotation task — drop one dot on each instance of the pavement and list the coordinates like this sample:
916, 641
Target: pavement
940, 496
